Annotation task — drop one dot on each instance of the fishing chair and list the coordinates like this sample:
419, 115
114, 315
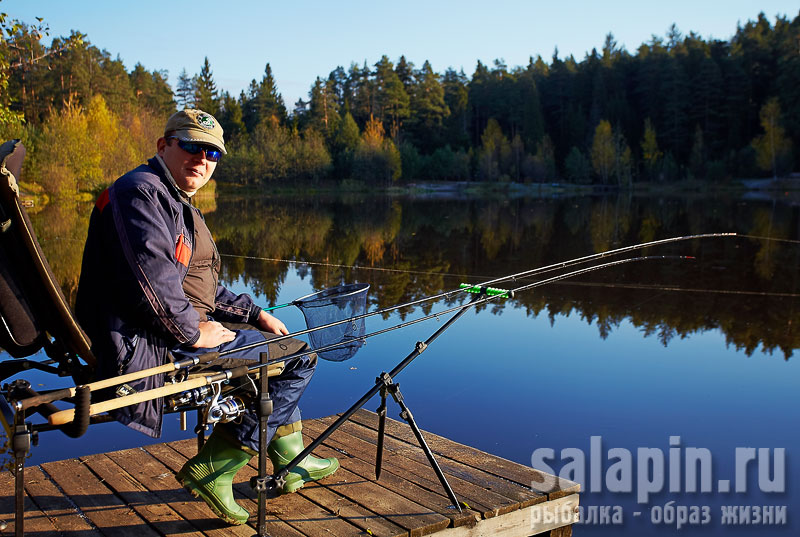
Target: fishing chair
35, 316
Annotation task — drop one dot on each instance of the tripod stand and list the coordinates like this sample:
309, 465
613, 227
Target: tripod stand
384, 384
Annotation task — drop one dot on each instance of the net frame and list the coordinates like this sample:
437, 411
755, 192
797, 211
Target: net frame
331, 305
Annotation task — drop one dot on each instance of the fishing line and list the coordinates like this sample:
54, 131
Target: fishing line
511, 277
520, 275
460, 275
682, 289
775, 239
404, 324
356, 267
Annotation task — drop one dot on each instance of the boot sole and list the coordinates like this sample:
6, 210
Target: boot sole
195, 490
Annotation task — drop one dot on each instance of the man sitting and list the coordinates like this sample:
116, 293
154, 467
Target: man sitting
149, 288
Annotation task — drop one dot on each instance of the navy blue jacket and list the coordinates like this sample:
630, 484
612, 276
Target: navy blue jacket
130, 297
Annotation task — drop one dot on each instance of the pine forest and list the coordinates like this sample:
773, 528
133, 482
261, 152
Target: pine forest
680, 108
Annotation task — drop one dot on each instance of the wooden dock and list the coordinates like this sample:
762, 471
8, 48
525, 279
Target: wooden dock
133, 493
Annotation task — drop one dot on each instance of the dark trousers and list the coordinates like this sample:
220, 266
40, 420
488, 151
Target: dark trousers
285, 389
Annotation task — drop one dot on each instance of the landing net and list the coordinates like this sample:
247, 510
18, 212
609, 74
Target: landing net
330, 306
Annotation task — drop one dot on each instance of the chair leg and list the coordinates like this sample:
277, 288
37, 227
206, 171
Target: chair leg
21, 445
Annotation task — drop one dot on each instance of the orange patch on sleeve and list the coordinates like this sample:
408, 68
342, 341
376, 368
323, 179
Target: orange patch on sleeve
102, 201
183, 252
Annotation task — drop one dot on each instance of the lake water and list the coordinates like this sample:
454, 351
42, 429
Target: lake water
671, 359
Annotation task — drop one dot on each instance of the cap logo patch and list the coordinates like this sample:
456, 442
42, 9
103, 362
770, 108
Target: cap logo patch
205, 121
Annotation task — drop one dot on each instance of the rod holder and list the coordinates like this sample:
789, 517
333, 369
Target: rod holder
483, 290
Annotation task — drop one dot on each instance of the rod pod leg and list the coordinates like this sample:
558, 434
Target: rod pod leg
381, 426
264, 412
405, 413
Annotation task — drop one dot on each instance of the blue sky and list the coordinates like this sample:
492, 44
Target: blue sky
303, 40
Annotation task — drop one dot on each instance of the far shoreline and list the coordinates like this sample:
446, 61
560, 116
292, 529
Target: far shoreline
787, 188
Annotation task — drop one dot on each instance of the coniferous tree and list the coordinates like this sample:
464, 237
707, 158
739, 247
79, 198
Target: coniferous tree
152, 90
428, 109
323, 108
391, 99
230, 119
674, 113
532, 125
456, 97
577, 167
269, 102
478, 99
337, 82
206, 95
263, 102
185, 91
345, 144
405, 72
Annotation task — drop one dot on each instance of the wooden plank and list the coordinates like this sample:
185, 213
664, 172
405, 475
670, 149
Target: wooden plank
553, 486
484, 487
366, 520
313, 518
404, 476
195, 509
398, 478
412, 517
96, 501
35, 520
563, 531
133, 493
532, 520
508, 496
159, 479
63, 514
159, 515
360, 517
292, 509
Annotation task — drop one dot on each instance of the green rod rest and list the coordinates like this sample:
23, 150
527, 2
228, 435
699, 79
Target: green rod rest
483, 290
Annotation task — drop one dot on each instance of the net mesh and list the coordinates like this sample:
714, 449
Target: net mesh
330, 306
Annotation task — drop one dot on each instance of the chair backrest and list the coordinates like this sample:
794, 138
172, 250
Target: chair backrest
34, 313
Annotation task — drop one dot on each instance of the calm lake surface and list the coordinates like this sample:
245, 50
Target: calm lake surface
659, 359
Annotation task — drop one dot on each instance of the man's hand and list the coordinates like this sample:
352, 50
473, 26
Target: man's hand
269, 323
213, 334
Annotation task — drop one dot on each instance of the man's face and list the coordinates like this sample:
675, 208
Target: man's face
191, 172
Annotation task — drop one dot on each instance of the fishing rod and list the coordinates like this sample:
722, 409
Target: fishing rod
190, 362
64, 393
483, 294
524, 274
385, 385
70, 392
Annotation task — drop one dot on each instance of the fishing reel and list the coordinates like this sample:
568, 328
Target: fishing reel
223, 409
226, 409
216, 408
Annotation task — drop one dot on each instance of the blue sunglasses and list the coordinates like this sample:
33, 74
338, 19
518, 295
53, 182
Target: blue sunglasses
192, 148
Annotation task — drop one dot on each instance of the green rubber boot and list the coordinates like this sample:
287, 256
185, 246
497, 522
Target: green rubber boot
209, 476
281, 452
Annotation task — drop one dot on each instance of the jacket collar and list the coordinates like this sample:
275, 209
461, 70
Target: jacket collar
158, 165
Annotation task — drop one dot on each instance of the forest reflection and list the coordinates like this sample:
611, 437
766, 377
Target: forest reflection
412, 247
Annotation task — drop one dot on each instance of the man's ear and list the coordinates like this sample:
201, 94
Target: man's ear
161, 143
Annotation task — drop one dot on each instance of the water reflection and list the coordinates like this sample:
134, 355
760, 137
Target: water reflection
746, 287
544, 387
409, 248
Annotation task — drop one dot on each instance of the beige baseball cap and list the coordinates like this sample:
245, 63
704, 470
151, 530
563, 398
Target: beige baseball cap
192, 125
